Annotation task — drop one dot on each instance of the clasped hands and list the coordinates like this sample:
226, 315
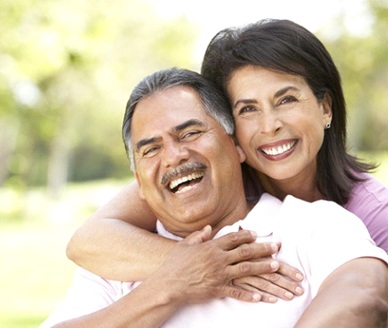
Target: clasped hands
200, 268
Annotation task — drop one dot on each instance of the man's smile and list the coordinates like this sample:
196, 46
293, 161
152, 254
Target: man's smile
184, 183
182, 178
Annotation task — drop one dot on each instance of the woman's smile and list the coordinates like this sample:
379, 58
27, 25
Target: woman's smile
278, 150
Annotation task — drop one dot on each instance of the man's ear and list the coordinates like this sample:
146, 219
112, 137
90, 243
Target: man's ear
241, 154
139, 184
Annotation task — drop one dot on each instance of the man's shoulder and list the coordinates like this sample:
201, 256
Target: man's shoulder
320, 212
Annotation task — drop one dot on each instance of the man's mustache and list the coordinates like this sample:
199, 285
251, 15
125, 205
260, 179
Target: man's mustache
183, 169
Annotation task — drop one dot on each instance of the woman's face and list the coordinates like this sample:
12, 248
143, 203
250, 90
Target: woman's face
279, 122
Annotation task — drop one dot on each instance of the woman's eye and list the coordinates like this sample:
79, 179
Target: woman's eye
287, 99
246, 109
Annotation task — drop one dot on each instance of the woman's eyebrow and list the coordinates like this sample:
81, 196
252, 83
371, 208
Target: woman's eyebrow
245, 101
284, 90
278, 93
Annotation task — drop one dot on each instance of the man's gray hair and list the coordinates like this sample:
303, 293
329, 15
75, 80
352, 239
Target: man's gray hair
214, 102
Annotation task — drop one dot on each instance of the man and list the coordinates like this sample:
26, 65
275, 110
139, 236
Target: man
179, 136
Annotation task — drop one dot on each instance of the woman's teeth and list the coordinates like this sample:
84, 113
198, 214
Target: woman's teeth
279, 149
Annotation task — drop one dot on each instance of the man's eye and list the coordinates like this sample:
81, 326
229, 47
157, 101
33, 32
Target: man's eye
150, 151
190, 134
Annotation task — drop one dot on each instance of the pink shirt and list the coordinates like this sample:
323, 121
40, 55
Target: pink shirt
369, 201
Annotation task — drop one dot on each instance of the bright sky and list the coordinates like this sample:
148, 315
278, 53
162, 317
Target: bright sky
213, 15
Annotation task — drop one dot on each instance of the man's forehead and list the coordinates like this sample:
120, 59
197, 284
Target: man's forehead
174, 104
169, 110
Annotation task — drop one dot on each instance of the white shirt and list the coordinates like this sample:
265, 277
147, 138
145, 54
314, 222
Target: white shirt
316, 238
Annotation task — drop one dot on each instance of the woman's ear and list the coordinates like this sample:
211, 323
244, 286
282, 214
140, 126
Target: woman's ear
241, 153
327, 108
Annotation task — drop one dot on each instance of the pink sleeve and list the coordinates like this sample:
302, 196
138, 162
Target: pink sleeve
369, 201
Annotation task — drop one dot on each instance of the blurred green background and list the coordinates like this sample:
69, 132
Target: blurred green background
67, 68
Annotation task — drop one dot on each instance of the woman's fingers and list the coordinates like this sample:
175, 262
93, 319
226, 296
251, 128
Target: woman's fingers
271, 286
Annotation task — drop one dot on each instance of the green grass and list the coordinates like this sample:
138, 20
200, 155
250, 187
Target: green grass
34, 272
34, 231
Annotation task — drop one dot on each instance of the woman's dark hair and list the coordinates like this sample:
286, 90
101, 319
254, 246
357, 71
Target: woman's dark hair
284, 46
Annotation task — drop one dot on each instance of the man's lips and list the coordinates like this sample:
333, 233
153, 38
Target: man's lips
183, 176
174, 184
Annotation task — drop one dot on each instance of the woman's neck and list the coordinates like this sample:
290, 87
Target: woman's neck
302, 188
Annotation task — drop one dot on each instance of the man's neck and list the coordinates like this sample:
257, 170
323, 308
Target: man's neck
229, 216
237, 214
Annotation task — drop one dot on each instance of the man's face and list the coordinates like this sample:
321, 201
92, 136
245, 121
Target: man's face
187, 167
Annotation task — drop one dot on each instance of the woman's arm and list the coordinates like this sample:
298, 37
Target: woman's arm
354, 295
116, 242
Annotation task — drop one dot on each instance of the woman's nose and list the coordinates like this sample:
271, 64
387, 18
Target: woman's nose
269, 123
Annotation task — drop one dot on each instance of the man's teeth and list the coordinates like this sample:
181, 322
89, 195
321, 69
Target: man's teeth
278, 150
182, 190
184, 179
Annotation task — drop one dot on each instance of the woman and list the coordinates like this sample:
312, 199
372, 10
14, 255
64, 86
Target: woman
288, 104
238, 61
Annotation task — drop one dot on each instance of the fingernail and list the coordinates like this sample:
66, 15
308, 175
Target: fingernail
274, 265
254, 234
272, 299
274, 247
289, 295
299, 290
256, 297
299, 276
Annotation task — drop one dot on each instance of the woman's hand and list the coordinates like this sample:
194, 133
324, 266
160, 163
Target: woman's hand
282, 284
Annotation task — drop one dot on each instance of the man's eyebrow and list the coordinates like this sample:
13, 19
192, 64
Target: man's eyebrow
187, 124
145, 142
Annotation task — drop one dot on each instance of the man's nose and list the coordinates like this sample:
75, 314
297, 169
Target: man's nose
175, 153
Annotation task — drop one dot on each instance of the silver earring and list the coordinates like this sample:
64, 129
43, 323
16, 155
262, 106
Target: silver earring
328, 125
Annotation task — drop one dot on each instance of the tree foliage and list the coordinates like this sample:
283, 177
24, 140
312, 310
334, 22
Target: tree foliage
66, 70
363, 63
